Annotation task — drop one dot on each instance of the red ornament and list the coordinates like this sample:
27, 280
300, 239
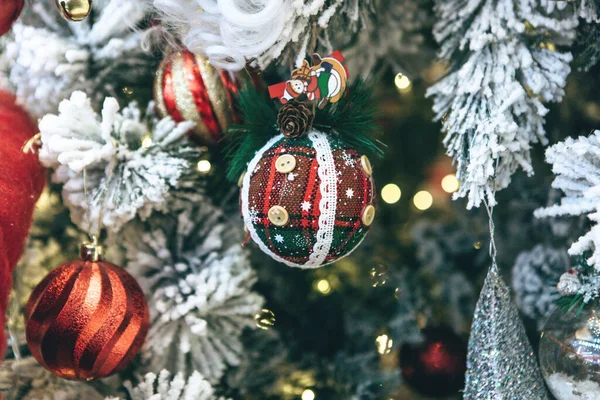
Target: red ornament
187, 87
435, 367
21, 182
9, 12
308, 201
87, 319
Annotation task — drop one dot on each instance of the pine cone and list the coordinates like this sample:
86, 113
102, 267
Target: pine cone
294, 119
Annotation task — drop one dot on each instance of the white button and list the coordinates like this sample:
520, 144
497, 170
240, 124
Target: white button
285, 163
278, 215
368, 215
366, 165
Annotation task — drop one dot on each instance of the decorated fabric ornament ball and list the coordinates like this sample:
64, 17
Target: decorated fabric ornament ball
86, 319
187, 87
569, 351
308, 201
436, 366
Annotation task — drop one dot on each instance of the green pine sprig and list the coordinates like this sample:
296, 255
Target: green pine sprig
352, 119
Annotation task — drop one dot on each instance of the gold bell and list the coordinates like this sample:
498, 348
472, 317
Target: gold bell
74, 10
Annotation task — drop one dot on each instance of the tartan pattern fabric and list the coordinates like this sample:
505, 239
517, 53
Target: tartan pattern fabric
298, 192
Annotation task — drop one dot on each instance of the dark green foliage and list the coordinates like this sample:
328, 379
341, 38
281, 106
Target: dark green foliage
587, 47
352, 119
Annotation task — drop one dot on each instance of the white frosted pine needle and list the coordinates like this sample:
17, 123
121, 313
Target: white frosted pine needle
132, 164
373, 32
504, 66
46, 58
26, 379
534, 277
576, 164
163, 387
199, 286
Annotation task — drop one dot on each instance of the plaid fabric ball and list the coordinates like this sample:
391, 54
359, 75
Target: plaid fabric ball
308, 201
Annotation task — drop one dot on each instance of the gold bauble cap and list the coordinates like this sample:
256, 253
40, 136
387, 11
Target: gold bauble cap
74, 10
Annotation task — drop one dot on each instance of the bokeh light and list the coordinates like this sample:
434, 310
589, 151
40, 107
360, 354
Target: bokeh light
308, 395
384, 344
147, 142
402, 82
450, 184
323, 286
203, 166
391, 193
423, 200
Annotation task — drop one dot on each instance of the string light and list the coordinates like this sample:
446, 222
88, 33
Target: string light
450, 184
203, 166
391, 193
308, 395
384, 344
423, 200
323, 286
146, 142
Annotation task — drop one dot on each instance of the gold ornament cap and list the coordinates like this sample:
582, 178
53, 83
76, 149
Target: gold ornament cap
91, 251
74, 10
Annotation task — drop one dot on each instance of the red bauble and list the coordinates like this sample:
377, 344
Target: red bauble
435, 367
187, 87
21, 182
86, 320
9, 12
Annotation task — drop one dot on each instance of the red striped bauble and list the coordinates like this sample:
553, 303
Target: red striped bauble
187, 87
86, 319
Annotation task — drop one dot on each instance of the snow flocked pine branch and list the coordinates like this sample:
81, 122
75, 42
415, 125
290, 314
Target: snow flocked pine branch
108, 156
26, 379
503, 67
576, 164
46, 58
161, 387
534, 277
281, 31
199, 285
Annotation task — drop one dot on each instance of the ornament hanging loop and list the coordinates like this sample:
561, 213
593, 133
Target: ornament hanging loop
91, 251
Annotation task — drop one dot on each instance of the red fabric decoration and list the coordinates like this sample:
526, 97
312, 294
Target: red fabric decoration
21, 182
9, 12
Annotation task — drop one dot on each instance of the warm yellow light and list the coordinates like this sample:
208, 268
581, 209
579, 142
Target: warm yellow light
450, 183
391, 193
384, 344
308, 395
323, 286
402, 82
423, 200
203, 166
147, 142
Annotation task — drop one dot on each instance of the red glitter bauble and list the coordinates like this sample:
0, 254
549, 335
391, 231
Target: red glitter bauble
435, 367
86, 320
9, 12
187, 87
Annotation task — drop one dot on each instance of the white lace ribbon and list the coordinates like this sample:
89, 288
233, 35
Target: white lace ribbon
328, 203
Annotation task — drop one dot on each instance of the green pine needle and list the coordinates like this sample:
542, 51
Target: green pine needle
352, 119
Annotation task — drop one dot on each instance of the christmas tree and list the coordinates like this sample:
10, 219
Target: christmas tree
299, 199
